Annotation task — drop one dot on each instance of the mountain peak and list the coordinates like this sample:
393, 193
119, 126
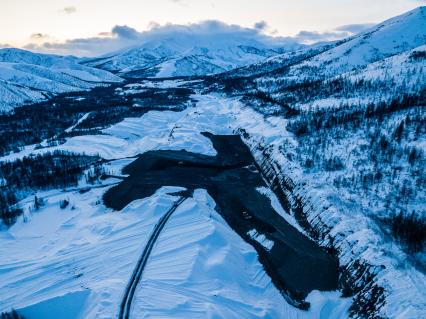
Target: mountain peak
189, 51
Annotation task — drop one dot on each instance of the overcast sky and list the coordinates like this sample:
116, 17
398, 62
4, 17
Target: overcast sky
30, 23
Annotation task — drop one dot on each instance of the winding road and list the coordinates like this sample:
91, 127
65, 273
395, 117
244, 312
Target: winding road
126, 303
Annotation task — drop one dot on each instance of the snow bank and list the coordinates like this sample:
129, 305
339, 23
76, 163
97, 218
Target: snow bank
261, 239
68, 306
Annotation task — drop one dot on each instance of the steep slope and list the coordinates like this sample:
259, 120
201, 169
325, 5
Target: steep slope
29, 77
185, 53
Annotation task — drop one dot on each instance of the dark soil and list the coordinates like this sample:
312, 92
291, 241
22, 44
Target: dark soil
296, 264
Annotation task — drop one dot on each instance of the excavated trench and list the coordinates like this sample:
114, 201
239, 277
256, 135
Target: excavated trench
296, 264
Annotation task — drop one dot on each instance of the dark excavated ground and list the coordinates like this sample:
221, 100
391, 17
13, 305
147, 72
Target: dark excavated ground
296, 264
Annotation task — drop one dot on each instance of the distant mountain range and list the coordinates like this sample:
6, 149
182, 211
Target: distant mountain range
183, 53
381, 51
26, 77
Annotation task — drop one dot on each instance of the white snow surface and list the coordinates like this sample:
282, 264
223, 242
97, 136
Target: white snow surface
80, 120
261, 239
276, 205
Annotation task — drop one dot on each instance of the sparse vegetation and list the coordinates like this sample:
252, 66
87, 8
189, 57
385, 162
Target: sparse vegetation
11, 315
409, 229
40, 172
32, 124
372, 154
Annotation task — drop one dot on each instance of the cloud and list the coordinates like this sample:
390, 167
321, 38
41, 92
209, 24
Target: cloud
39, 36
5, 46
344, 31
123, 36
203, 33
261, 25
105, 34
69, 10
125, 32
355, 28
309, 37
264, 27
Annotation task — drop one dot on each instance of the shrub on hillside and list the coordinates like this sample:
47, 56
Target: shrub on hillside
410, 229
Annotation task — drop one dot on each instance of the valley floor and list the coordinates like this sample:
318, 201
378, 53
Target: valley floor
81, 258
78, 260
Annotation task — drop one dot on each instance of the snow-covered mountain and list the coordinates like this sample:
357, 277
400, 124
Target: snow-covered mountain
30, 77
394, 36
186, 53
391, 37
389, 56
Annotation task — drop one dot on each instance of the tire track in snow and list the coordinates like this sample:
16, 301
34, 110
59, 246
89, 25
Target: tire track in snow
126, 303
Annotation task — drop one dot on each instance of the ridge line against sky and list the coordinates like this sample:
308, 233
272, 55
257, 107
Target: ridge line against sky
94, 27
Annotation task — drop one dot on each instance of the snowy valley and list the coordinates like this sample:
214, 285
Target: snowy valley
197, 176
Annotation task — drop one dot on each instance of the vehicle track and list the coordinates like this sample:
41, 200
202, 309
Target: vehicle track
126, 303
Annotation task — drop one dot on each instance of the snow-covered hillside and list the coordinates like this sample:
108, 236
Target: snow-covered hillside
375, 66
397, 36
391, 37
176, 131
381, 81
183, 52
29, 77
356, 109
